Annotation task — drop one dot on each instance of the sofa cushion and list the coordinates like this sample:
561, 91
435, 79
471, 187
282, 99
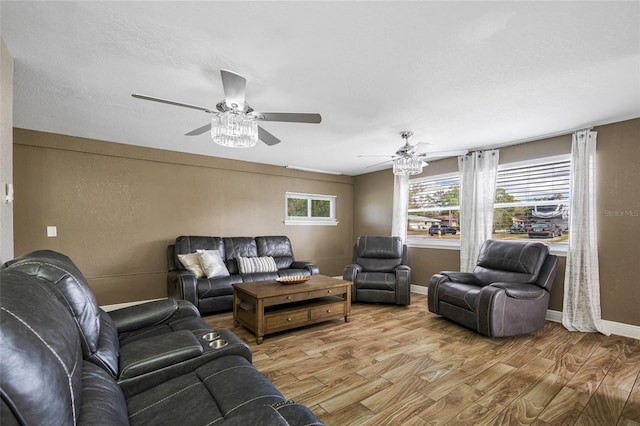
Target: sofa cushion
192, 243
212, 264
221, 389
278, 247
102, 399
250, 265
238, 246
191, 262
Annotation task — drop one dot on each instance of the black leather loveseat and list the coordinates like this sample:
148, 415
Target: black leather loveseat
240, 259
65, 361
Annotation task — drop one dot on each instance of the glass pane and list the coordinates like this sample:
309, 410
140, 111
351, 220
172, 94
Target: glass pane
434, 193
297, 207
435, 224
548, 223
320, 208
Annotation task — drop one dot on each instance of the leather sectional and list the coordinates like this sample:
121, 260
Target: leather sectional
66, 361
215, 294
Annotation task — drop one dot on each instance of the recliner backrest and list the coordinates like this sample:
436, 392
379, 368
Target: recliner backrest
379, 253
98, 334
278, 247
41, 370
238, 247
510, 261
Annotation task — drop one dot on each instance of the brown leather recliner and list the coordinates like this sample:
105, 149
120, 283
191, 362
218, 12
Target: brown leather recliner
507, 293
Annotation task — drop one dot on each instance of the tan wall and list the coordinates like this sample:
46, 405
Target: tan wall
6, 151
117, 207
618, 202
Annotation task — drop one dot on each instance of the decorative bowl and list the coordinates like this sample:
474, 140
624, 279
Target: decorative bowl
293, 280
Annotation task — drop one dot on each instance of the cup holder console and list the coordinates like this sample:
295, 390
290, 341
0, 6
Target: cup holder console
217, 344
210, 337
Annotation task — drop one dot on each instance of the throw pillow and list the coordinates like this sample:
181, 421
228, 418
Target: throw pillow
191, 262
248, 265
212, 264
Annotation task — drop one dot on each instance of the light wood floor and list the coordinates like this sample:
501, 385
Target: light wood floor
393, 365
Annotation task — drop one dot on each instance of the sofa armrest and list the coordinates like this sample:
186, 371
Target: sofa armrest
303, 264
146, 314
403, 285
182, 284
147, 355
350, 272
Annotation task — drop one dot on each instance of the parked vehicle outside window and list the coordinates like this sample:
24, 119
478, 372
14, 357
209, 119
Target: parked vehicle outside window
442, 230
548, 230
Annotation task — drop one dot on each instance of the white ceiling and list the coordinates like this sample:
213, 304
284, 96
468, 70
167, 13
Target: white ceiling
458, 74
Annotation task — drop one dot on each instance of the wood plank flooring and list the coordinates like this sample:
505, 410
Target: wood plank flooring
394, 365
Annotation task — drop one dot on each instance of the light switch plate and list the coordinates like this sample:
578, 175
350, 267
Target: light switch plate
52, 231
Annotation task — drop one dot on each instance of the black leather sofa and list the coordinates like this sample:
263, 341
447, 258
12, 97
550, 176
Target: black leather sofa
215, 294
507, 293
66, 361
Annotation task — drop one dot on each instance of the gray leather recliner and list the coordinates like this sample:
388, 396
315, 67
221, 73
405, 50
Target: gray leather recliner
380, 272
507, 293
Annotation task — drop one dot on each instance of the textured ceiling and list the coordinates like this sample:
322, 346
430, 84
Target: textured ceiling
460, 75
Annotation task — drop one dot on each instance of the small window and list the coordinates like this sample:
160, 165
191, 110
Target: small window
310, 209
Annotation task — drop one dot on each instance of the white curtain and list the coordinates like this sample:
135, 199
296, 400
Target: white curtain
581, 305
478, 172
400, 202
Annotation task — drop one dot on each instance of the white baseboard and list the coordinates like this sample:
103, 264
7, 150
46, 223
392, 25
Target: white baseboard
617, 328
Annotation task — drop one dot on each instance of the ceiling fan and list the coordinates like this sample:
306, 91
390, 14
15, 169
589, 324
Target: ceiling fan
235, 122
408, 161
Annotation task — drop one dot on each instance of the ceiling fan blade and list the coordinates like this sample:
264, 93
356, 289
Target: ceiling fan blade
267, 137
388, 156
167, 101
234, 86
291, 117
199, 130
379, 164
442, 154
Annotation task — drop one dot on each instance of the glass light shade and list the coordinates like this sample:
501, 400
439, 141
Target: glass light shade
234, 129
407, 166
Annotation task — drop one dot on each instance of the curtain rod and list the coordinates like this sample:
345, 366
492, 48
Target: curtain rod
537, 138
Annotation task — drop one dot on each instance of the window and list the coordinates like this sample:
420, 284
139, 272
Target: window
310, 209
532, 201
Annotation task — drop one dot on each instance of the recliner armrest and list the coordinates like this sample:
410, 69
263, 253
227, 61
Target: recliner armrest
303, 264
520, 290
145, 314
461, 277
350, 272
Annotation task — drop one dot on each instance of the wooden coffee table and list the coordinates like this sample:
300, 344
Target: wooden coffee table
266, 307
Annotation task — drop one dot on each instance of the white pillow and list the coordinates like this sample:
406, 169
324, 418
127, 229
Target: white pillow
212, 264
191, 262
248, 265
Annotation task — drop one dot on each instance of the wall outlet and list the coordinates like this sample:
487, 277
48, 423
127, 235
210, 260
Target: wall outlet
52, 231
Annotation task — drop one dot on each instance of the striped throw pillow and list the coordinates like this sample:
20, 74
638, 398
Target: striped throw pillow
248, 265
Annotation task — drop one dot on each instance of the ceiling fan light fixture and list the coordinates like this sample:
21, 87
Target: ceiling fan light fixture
234, 129
408, 165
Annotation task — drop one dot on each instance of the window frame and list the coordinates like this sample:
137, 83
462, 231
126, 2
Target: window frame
560, 249
310, 220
